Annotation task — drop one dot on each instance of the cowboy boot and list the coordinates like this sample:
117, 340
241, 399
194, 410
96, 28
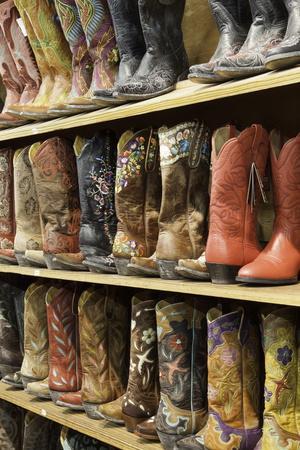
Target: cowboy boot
137, 189
96, 178
102, 325
147, 430
55, 175
233, 383
99, 31
21, 52
194, 269
267, 29
184, 162
64, 357
165, 61
140, 401
11, 426
233, 18
35, 365
28, 226
272, 265
281, 427
82, 66
40, 433
287, 52
130, 41
182, 355
7, 219
72, 440
238, 165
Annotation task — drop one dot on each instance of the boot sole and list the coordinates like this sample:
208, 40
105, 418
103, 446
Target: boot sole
282, 61
8, 260
223, 274
135, 97
267, 281
209, 79
98, 268
107, 101
32, 263
66, 266
192, 274
69, 406
228, 73
14, 385
143, 271
148, 437
167, 270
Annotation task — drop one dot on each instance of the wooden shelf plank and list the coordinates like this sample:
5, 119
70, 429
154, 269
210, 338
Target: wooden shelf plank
281, 295
186, 93
98, 429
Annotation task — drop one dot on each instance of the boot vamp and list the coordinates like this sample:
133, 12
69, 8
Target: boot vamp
112, 409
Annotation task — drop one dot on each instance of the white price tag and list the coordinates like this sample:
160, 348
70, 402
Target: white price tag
22, 26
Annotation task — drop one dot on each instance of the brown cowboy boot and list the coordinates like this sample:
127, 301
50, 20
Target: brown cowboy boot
57, 190
35, 365
138, 196
11, 426
140, 401
184, 162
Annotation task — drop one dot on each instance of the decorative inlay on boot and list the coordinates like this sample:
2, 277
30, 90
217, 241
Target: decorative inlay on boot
282, 387
138, 197
35, 365
238, 165
165, 61
72, 440
11, 426
279, 262
194, 269
96, 166
234, 391
267, 29
102, 325
182, 354
64, 352
140, 401
233, 22
55, 175
40, 433
184, 162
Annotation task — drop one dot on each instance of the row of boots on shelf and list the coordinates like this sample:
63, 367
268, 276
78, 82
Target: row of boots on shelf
140, 207
196, 372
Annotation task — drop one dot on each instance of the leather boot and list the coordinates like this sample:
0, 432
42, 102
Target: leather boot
55, 175
142, 395
40, 433
182, 359
238, 165
11, 426
184, 162
96, 166
99, 31
138, 196
28, 225
39, 389
287, 52
72, 440
21, 52
130, 40
64, 353
233, 383
233, 19
279, 262
35, 365
7, 215
194, 269
165, 61
82, 66
282, 387
102, 325
268, 28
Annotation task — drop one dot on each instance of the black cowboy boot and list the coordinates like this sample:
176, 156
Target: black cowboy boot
165, 61
287, 52
233, 19
267, 29
130, 42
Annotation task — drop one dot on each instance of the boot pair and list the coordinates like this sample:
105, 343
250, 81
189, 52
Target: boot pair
238, 168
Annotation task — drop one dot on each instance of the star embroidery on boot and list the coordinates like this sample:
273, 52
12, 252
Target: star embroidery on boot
174, 366
280, 386
143, 359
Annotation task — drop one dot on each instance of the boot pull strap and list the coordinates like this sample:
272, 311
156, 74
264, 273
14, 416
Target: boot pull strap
257, 137
152, 152
251, 194
200, 146
75, 301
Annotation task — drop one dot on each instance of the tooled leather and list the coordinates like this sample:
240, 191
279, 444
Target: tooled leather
165, 61
55, 175
7, 216
97, 25
232, 226
96, 166
82, 65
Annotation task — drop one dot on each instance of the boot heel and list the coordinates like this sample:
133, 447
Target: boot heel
167, 270
122, 266
55, 395
223, 274
132, 422
91, 410
169, 441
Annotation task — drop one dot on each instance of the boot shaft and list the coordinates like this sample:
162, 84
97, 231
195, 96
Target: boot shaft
12, 426
40, 433
7, 219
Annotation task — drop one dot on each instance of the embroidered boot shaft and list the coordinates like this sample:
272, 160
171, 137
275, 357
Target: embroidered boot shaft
7, 215
12, 425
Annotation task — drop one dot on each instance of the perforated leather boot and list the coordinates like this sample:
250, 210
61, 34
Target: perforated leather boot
165, 61
279, 262
233, 20
267, 29
238, 165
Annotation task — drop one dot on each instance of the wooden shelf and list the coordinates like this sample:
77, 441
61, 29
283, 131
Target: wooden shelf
98, 429
187, 93
281, 295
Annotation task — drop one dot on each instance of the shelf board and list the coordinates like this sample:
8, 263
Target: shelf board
281, 295
98, 429
186, 93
